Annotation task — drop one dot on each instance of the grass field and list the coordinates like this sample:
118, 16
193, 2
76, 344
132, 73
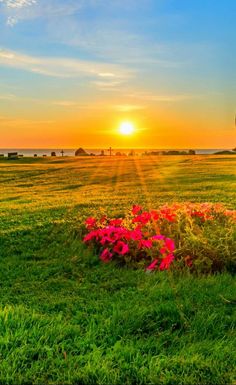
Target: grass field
66, 318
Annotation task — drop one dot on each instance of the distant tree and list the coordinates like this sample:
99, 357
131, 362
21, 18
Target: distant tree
81, 152
132, 153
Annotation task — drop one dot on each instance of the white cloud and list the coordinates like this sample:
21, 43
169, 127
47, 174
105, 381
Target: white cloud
18, 3
11, 21
106, 75
15, 9
62, 67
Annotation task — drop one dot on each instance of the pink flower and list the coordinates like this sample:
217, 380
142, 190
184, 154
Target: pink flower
136, 234
153, 266
158, 237
166, 262
145, 243
136, 209
169, 243
106, 256
121, 248
105, 240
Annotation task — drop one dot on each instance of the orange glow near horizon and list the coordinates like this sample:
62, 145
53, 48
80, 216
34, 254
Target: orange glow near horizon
102, 126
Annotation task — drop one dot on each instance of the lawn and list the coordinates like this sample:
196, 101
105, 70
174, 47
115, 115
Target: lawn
67, 318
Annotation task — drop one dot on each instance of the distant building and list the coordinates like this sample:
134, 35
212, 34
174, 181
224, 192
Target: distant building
12, 155
102, 153
53, 153
81, 152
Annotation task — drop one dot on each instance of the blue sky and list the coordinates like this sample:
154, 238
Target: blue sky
167, 64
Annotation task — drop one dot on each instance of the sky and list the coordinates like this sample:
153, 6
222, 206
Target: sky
71, 71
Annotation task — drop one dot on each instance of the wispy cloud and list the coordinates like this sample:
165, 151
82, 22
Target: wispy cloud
8, 97
74, 104
98, 106
62, 67
128, 107
19, 10
108, 85
9, 121
151, 97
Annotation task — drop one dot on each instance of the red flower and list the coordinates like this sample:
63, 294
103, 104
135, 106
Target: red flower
103, 219
91, 222
90, 236
155, 215
166, 262
136, 209
115, 222
121, 248
143, 218
188, 261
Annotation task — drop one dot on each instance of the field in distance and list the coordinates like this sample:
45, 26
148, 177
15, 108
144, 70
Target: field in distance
66, 318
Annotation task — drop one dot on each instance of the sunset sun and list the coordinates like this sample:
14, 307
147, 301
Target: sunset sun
126, 128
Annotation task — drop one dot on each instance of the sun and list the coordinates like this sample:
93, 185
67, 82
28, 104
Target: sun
126, 128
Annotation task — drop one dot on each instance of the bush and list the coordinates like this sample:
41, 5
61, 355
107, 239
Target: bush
199, 236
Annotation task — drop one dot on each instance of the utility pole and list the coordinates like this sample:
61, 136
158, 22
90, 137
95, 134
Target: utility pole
110, 150
62, 153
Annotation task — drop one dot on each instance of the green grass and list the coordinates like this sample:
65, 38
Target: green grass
65, 318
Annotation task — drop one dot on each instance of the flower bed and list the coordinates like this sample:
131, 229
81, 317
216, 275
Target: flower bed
201, 237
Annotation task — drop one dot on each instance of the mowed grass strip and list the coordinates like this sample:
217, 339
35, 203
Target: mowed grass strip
66, 318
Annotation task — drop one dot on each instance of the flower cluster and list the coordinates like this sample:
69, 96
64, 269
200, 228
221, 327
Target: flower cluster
131, 239
151, 238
